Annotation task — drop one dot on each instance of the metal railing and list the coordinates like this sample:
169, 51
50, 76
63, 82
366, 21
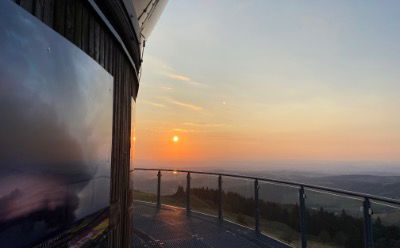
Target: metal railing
366, 207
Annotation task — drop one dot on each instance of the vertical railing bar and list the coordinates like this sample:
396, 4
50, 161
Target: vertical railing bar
302, 217
159, 189
220, 214
368, 236
188, 207
257, 207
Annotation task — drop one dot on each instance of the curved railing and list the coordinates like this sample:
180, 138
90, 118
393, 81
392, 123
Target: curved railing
366, 198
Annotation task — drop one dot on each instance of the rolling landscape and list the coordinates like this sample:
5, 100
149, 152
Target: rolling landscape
326, 213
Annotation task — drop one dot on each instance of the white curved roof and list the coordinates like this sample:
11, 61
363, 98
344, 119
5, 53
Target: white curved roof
144, 15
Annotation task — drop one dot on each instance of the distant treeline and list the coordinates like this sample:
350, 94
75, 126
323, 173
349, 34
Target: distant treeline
341, 229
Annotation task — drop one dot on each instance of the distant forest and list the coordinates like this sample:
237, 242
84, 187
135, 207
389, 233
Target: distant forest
341, 229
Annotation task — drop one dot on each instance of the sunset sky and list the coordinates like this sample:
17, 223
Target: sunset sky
257, 80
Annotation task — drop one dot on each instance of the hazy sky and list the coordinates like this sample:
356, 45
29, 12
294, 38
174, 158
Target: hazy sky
254, 80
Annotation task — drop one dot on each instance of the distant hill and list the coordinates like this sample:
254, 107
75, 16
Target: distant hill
387, 186
382, 185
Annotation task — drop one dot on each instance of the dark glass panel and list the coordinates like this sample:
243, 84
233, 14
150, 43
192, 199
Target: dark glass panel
55, 136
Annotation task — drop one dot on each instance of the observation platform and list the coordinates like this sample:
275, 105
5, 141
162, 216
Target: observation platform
173, 227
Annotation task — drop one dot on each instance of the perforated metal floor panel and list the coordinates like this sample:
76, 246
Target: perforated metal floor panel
171, 227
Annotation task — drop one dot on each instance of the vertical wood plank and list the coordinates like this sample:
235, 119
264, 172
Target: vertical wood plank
38, 8
105, 51
101, 48
69, 19
48, 12
59, 16
85, 31
91, 36
96, 41
26, 4
78, 24
111, 58
116, 155
127, 138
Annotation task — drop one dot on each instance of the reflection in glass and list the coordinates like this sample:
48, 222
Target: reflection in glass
55, 136
279, 212
204, 194
385, 225
173, 188
238, 201
334, 220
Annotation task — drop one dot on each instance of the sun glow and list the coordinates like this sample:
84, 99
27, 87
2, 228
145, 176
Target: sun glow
175, 139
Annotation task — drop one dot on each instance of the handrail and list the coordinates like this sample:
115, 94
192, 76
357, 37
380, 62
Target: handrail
366, 198
293, 184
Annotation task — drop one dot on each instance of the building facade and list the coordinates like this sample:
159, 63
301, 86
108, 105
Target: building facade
112, 33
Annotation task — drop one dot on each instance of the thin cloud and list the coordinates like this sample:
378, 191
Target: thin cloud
186, 105
182, 130
194, 124
197, 84
170, 72
165, 88
159, 105
167, 67
184, 78
177, 77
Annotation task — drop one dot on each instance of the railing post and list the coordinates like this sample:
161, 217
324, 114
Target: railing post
188, 192
368, 238
302, 216
220, 215
159, 189
257, 212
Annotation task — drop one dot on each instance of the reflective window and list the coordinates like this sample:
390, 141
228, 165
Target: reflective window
55, 137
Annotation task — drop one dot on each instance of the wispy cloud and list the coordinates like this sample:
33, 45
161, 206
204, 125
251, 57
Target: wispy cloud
186, 105
167, 67
159, 105
183, 78
182, 130
170, 72
177, 76
197, 84
195, 124
166, 88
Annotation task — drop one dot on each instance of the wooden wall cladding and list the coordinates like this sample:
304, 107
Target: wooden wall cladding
77, 22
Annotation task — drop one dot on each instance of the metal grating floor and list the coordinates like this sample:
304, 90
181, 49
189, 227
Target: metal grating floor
171, 227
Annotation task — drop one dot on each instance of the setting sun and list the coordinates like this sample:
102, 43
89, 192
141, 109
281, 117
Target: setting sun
175, 139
